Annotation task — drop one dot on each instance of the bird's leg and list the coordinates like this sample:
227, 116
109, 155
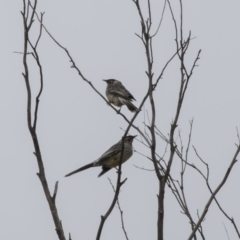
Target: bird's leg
118, 111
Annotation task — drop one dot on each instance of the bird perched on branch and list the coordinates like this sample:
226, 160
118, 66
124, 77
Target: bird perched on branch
118, 95
111, 158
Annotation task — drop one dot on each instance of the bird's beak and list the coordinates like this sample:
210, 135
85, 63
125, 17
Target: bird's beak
134, 136
104, 80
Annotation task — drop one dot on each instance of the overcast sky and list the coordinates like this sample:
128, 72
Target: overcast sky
75, 126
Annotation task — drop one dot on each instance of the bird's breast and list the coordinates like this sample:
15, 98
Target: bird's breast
115, 161
114, 99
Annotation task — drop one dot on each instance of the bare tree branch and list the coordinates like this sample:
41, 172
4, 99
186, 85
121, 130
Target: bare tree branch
55, 191
226, 231
210, 190
32, 129
160, 22
121, 212
234, 160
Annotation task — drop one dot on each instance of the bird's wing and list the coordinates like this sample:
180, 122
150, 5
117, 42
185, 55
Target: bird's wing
111, 152
123, 93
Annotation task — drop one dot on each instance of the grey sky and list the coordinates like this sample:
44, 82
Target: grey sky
75, 126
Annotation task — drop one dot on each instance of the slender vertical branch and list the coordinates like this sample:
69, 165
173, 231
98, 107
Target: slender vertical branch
147, 41
121, 212
150, 16
183, 169
183, 86
40, 73
32, 129
160, 22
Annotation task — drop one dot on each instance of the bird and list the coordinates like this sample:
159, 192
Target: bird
118, 95
111, 158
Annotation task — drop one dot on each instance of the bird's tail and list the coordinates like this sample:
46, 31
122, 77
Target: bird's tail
130, 106
80, 169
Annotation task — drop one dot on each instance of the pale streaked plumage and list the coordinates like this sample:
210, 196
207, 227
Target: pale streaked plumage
118, 95
110, 158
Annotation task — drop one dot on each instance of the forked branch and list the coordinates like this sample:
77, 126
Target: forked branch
29, 17
234, 160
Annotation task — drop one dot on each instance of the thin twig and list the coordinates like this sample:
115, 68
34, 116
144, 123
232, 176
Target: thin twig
121, 212
226, 231
210, 190
55, 191
234, 160
160, 22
